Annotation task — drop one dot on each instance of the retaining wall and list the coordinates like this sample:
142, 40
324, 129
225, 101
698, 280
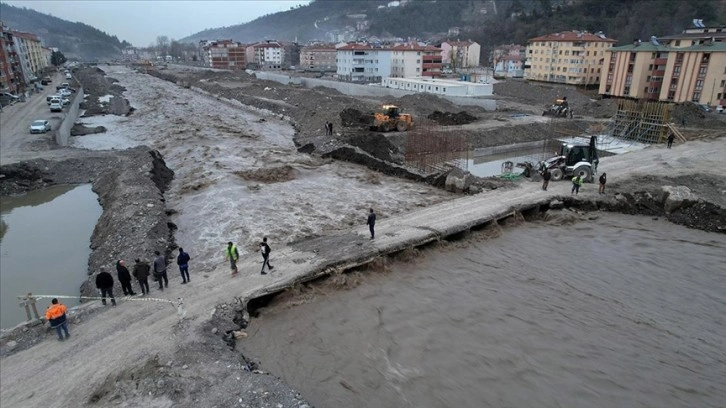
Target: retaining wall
63, 134
351, 89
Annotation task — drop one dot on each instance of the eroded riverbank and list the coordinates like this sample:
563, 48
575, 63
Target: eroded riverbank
615, 311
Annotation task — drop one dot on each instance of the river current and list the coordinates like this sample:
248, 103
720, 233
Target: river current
621, 311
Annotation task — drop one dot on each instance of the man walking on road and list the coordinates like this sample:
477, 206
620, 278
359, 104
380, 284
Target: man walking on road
56, 316
603, 180
265, 250
233, 255
372, 223
576, 184
183, 261
104, 282
141, 273
160, 270
124, 277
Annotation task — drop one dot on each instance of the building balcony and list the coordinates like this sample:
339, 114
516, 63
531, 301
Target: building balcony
430, 65
660, 72
660, 61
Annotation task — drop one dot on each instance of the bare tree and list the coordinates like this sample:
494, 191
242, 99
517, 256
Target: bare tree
162, 45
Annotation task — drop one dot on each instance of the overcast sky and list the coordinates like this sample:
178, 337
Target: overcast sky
140, 22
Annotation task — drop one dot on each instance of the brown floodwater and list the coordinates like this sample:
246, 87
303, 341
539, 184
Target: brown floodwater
622, 311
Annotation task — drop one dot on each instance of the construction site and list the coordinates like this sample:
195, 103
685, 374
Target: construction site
464, 235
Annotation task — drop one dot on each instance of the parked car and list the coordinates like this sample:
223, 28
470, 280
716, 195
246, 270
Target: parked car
704, 107
10, 96
65, 85
39, 126
56, 105
719, 109
65, 92
69, 76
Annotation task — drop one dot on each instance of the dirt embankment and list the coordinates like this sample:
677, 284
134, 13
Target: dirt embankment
104, 96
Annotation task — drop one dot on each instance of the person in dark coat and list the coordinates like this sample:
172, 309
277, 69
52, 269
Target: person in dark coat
330, 128
183, 261
603, 179
141, 273
671, 138
124, 277
546, 176
372, 223
265, 250
160, 270
104, 282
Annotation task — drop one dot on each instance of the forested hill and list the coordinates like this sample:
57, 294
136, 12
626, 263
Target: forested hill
488, 22
75, 40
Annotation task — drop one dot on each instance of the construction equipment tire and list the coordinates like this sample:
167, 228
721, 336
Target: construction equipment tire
557, 174
402, 126
385, 127
583, 171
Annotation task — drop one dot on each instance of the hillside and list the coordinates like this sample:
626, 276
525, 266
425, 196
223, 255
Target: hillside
488, 22
75, 40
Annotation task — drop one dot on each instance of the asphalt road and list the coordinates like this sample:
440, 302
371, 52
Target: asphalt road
15, 120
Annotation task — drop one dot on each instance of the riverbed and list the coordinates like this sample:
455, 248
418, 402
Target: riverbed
617, 311
44, 246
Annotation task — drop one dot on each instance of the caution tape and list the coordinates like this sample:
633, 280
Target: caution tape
179, 303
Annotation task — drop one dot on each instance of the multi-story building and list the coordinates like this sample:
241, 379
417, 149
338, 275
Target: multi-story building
363, 63
31, 44
130, 54
687, 67
509, 60
415, 60
290, 54
224, 54
267, 55
460, 54
568, 57
318, 58
11, 73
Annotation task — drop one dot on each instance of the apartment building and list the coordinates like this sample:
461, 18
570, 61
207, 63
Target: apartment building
32, 46
11, 73
318, 58
268, 55
224, 54
363, 63
415, 60
568, 57
685, 67
460, 54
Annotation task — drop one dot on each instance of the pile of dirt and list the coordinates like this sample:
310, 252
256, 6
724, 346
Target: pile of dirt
691, 115
269, 175
452, 119
80, 129
96, 85
377, 146
351, 117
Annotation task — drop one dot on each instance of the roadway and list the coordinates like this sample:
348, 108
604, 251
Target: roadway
16, 141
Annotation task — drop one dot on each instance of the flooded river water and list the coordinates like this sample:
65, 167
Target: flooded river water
622, 311
44, 246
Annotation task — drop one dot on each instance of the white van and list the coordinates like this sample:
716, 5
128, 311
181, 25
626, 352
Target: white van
56, 105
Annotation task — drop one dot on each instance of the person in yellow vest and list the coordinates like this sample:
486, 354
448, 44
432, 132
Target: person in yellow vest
576, 183
233, 255
56, 316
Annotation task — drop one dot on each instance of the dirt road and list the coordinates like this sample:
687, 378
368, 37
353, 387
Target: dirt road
15, 136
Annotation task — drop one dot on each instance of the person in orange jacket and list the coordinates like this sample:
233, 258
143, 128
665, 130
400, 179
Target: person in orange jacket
56, 315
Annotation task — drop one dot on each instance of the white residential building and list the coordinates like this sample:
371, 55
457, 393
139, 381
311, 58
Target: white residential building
363, 63
267, 55
460, 54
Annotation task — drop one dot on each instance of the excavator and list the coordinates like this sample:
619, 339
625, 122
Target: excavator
559, 108
392, 118
573, 160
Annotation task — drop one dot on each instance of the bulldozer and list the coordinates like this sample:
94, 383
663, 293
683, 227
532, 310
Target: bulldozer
573, 160
392, 118
559, 108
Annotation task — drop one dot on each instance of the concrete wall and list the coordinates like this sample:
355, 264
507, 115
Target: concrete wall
63, 134
348, 88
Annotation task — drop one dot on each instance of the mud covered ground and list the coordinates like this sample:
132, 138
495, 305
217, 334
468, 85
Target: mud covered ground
237, 175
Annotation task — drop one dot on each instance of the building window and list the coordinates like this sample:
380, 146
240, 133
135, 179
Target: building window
702, 71
626, 90
645, 90
696, 97
699, 84
678, 43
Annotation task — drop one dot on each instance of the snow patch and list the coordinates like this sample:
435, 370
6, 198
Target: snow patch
105, 98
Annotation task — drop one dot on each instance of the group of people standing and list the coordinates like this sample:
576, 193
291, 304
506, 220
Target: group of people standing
577, 182
141, 271
232, 255
328, 128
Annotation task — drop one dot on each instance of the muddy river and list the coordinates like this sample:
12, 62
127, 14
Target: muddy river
44, 246
621, 311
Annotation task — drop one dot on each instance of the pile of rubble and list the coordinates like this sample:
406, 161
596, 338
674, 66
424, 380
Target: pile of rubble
452, 119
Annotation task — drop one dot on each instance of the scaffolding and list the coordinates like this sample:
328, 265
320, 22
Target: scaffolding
429, 149
642, 121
